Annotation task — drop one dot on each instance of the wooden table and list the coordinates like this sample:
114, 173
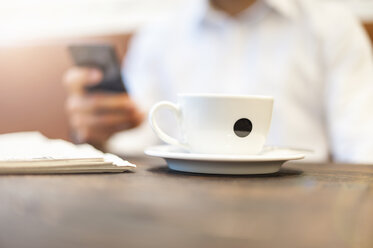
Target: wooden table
305, 205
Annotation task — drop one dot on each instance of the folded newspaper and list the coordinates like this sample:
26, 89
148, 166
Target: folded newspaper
33, 153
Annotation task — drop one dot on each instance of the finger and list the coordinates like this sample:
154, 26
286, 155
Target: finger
94, 136
77, 78
76, 104
100, 102
95, 133
119, 120
114, 102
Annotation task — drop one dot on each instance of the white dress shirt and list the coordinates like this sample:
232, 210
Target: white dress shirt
312, 57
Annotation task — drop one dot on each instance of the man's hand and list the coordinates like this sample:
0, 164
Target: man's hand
94, 117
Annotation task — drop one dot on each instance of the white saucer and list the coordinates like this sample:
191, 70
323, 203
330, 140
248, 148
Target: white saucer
268, 161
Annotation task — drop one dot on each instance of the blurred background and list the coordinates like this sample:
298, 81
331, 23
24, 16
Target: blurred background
34, 35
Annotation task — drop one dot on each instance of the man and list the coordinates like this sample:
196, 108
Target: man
312, 57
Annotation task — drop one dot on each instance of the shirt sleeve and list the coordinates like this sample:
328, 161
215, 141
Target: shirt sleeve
142, 67
349, 90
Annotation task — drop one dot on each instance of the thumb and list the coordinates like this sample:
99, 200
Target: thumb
77, 78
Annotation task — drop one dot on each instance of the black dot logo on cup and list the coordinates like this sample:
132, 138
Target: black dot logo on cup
242, 127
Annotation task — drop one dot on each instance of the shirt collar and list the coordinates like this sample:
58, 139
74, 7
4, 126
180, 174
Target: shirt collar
287, 8
207, 13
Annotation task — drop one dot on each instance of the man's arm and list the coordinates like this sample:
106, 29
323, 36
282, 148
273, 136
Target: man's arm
349, 91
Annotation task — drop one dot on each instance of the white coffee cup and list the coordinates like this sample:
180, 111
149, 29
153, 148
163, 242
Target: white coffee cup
218, 124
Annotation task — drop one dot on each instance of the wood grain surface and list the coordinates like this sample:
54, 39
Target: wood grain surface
305, 205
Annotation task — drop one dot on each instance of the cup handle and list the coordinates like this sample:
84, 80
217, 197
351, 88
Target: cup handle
175, 109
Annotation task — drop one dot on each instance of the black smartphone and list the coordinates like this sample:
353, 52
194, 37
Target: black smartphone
103, 57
